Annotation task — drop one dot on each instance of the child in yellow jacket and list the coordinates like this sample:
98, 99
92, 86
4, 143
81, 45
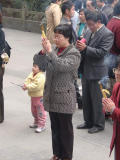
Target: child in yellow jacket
35, 86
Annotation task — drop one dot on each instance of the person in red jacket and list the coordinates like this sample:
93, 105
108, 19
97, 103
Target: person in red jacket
112, 105
114, 26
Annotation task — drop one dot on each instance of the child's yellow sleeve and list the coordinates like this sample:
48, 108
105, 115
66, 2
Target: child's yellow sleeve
37, 84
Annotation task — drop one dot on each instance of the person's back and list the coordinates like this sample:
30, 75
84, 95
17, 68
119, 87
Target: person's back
53, 17
108, 10
114, 26
105, 8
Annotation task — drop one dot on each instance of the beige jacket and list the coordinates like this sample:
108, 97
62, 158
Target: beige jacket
53, 17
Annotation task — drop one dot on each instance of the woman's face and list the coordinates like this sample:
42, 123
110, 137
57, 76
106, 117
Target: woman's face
82, 16
60, 40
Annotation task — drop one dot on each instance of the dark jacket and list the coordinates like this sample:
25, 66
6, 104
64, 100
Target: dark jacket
104, 18
94, 67
2, 43
108, 11
66, 21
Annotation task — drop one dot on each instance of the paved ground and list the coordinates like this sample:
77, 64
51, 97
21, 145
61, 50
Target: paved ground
17, 141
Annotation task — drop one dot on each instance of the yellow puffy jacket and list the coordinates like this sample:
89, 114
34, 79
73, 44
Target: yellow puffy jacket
35, 84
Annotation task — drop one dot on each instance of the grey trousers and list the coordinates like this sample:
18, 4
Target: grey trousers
1, 95
92, 104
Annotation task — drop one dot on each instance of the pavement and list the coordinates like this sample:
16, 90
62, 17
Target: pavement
17, 140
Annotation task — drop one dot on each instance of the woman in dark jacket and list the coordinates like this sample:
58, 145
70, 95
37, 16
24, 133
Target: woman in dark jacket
59, 94
2, 46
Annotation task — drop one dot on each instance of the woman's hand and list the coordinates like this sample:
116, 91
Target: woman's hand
108, 104
46, 45
80, 45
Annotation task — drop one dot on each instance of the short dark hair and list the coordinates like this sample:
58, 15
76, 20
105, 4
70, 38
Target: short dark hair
67, 5
118, 61
78, 4
65, 30
102, 1
117, 9
82, 10
93, 3
94, 16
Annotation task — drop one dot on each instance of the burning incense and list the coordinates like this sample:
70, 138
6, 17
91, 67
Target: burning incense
104, 91
43, 31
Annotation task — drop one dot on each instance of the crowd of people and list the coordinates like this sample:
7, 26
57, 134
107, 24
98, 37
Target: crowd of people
82, 40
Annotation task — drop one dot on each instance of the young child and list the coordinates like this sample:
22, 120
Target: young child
35, 86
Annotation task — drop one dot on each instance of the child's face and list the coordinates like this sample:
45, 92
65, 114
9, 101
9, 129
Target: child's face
35, 69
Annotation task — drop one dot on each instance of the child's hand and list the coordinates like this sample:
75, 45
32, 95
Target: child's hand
24, 87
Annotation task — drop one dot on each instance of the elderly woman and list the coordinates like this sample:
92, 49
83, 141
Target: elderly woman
59, 95
112, 105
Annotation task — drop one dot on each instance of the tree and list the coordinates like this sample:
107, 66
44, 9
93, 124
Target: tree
35, 5
6, 3
38, 5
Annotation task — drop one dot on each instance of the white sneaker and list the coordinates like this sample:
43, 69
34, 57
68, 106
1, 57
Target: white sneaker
40, 129
33, 125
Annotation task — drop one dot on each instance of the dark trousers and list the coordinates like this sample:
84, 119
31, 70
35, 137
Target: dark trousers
62, 135
1, 95
92, 103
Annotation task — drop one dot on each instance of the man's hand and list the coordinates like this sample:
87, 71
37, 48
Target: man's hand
108, 104
80, 45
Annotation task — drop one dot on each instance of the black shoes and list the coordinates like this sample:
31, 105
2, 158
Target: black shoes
95, 130
1, 121
91, 130
83, 126
80, 106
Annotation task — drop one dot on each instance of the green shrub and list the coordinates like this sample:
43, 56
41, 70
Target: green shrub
37, 5
17, 4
